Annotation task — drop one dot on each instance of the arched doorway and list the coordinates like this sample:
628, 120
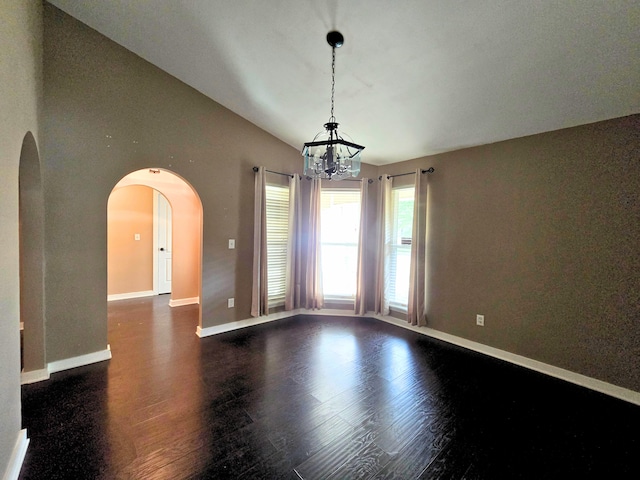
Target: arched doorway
136, 202
31, 215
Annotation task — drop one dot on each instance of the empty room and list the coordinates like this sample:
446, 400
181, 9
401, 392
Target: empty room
319, 239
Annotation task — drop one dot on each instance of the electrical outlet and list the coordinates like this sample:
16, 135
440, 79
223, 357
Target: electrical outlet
480, 320
230, 303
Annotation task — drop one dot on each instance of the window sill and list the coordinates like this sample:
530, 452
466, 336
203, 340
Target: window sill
398, 308
276, 303
346, 301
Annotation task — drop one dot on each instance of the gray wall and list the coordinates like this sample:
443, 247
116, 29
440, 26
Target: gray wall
20, 95
107, 113
541, 235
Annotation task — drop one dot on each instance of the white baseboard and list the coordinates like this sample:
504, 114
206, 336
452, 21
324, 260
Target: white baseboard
621, 393
249, 322
34, 376
80, 360
180, 302
17, 456
127, 296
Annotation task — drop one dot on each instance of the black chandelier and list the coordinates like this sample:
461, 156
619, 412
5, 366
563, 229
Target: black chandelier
332, 155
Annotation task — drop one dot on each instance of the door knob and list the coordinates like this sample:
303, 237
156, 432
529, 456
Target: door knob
162, 249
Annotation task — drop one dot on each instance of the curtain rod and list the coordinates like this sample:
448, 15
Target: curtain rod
255, 169
346, 180
428, 170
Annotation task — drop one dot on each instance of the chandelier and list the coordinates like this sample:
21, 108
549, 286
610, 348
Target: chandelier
332, 155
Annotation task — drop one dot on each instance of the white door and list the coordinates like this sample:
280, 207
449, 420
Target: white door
164, 245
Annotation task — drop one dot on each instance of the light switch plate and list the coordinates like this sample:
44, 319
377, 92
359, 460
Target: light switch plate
232, 244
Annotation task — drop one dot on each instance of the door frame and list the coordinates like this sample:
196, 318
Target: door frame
156, 270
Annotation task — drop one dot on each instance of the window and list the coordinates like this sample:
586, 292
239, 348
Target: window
340, 230
398, 238
277, 231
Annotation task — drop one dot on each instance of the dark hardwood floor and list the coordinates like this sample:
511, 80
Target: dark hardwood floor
313, 397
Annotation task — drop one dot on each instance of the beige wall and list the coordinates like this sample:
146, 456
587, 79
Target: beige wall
20, 96
541, 235
130, 261
108, 113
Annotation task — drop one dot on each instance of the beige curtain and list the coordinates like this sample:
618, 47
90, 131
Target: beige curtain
360, 306
381, 300
292, 285
416, 314
313, 285
259, 290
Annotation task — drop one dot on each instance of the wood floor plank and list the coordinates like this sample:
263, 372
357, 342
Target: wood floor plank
367, 462
415, 455
330, 458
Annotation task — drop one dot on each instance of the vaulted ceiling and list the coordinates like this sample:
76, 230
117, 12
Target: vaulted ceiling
414, 77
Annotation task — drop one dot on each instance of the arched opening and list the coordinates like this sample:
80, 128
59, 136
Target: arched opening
31, 215
136, 251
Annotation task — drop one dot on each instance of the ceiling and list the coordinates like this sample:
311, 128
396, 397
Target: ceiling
414, 77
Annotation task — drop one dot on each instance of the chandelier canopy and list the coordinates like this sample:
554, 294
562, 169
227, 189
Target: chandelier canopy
331, 154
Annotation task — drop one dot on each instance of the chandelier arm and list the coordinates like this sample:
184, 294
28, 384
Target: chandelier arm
338, 141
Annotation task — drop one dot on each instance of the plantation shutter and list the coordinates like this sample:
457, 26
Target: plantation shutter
399, 246
277, 228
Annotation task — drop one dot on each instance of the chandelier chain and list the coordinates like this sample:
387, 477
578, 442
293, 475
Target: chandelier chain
333, 81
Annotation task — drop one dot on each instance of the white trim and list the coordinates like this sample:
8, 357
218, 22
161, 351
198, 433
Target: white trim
34, 376
155, 241
180, 302
249, 322
80, 360
621, 393
329, 312
17, 456
126, 296
615, 391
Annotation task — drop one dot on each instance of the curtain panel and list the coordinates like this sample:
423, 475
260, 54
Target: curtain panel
259, 290
313, 284
294, 263
416, 308
360, 306
381, 300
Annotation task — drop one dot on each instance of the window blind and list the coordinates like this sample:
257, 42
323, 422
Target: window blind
398, 235
277, 206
